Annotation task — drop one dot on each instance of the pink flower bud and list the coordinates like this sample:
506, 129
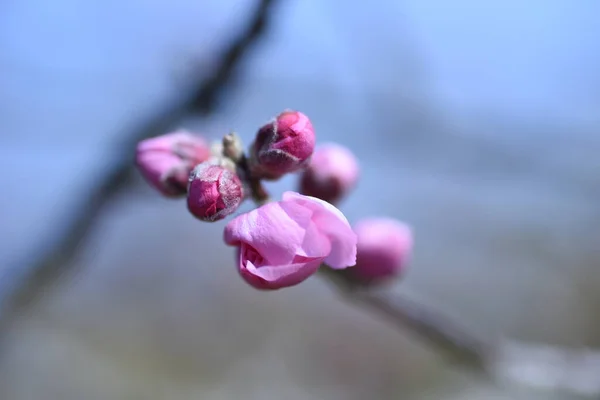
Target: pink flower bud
331, 174
383, 250
214, 192
283, 243
283, 145
166, 161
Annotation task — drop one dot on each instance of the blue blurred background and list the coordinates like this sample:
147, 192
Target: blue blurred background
477, 122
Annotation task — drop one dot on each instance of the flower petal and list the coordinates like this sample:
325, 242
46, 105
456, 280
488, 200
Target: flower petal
268, 277
315, 243
332, 223
276, 233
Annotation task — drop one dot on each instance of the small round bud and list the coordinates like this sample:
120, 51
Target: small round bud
383, 250
214, 192
165, 161
282, 146
331, 173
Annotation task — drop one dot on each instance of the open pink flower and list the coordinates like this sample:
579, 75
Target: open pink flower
283, 243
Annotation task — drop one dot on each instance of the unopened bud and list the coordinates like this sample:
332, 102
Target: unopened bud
383, 251
282, 146
232, 147
214, 192
331, 174
166, 161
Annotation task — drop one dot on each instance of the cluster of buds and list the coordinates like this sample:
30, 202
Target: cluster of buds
280, 243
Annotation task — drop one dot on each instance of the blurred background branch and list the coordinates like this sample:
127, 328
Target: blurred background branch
505, 361
30, 279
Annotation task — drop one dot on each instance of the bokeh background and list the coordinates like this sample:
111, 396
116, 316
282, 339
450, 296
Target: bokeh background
477, 122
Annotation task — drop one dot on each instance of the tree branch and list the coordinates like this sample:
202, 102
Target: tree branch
439, 331
508, 362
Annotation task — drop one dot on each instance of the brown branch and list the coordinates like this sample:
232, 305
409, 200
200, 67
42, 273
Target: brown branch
24, 281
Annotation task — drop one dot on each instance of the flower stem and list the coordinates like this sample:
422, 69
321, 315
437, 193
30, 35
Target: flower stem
257, 190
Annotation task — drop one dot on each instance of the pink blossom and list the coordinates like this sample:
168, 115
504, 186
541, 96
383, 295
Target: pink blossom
214, 192
165, 161
383, 251
283, 243
282, 146
331, 174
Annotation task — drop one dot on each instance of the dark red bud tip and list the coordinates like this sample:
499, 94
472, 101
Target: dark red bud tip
214, 192
283, 145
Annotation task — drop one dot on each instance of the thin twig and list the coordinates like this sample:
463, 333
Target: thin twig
23, 282
258, 191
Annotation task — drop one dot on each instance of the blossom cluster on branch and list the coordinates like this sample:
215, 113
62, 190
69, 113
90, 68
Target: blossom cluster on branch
280, 243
